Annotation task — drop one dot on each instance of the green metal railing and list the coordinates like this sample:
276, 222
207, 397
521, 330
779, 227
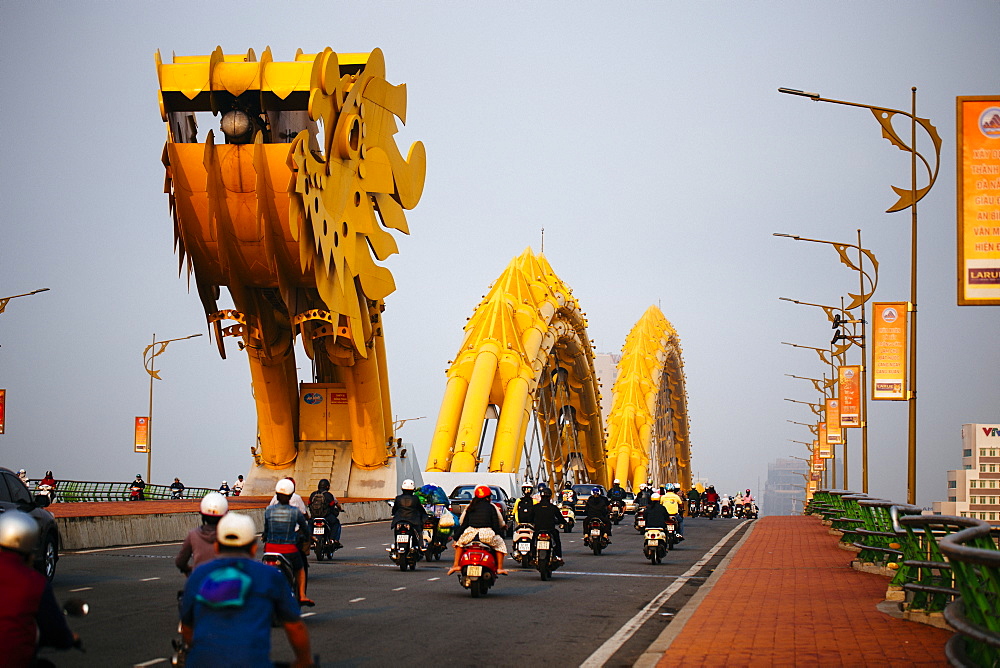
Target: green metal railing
72, 491
975, 616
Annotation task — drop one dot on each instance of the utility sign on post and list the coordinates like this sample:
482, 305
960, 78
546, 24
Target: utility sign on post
141, 434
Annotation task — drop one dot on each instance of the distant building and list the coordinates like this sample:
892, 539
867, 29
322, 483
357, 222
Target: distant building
783, 491
606, 368
974, 490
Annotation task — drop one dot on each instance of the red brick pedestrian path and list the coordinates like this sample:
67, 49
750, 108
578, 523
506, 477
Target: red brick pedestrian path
790, 598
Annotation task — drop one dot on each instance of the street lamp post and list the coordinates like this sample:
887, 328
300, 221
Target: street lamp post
148, 354
858, 300
4, 300
907, 199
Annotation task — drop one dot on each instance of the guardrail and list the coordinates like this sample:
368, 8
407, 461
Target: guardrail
943, 564
71, 491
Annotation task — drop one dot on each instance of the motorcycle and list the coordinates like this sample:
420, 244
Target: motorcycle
479, 568
135, 493
595, 534
322, 539
727, 511
671, 530
280, 561
569, 516
524, 536
44, 495
654, 545
712, 510
617, 508
405, 551
640, 519
750, 511
692, 508
434, 541
544, 558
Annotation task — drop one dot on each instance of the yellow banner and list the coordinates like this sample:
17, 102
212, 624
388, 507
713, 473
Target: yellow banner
978, 200
889, 353
825, 451
834, 435
818, 465
141, 434
849, 385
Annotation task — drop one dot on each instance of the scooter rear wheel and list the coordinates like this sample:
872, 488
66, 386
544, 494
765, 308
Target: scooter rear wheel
596, 548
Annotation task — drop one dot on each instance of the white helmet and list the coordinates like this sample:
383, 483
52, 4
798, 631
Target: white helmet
407, 485
18, 531
236, 530
655, 496
617, 481
285, 486
223, 482
214, 504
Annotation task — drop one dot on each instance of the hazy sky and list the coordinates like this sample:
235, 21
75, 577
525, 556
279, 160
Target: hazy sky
647, 138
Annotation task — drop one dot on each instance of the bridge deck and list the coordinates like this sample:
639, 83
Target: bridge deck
116, 508
789, 597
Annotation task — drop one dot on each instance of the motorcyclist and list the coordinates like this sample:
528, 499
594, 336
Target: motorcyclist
568, 495
47, 488
199, 544
642, 498
224, 488
284, 528
656, 513
617, 492
481, 519
407, 509
675, 506
30, 616
176, 489
598, 506
22, 475
694, 495
322, 503
523, 505
138, 489
747, 503
546, 516
238, 486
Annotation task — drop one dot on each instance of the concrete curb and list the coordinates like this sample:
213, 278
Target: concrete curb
656, 649
85, 533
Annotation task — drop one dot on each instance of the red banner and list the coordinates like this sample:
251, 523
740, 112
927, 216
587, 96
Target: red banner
3, 403
141, 434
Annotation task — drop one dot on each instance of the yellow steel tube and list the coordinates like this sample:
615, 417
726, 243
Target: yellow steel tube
447, 425
506, 448
470, 426
276, 408
364, 402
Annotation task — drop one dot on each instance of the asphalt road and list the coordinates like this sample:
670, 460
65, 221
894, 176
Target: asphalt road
596, 610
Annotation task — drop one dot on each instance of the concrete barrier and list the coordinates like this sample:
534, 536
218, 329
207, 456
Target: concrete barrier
87, 533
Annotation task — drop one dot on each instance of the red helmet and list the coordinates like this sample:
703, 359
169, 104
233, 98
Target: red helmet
483, 492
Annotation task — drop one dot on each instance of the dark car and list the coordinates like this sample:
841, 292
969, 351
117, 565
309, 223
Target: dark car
463, 494
583, 493
15, 496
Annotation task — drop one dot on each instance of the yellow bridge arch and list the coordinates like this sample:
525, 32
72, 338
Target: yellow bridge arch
526, 360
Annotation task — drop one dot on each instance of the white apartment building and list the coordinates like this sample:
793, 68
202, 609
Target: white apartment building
974, 491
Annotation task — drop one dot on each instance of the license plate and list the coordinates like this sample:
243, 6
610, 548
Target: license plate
524, 547
319, 531
402, 539
670, 528
473, 571
641, 524
427, 536
652, 543
543, 545
595, 532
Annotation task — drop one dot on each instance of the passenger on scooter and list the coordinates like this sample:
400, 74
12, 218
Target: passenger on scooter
546, 516
285, 528
711, 496
229, 603
481, 520
322, 503
199, 544
176, 489
30, 616
597, 506
617, 492
675, 506
568, 495
407, 509
523, 505
656, 513
642, 498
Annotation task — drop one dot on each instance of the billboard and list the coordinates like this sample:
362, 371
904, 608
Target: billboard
889, 352
978, 195
849, 384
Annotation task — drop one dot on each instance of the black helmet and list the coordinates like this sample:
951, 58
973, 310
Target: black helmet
545, 494
324, 485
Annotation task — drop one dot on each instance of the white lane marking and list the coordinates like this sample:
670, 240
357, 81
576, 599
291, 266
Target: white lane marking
356, 600
73, 591
148, 579
123, 547
432, 579
151, 662
399, 588
614, 643
360, 547
307, 614
632, 575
